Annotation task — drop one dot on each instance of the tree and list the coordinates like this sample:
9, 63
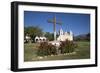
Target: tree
49, 36
33, 31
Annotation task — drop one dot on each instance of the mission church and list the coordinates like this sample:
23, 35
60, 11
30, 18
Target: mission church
63, 36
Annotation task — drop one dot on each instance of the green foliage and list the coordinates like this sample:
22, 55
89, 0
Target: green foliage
67, 46
46, 49
49, 36
33, 31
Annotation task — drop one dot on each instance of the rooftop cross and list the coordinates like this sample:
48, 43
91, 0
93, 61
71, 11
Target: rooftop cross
54, 28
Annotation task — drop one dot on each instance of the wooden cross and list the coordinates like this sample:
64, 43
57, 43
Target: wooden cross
54, 22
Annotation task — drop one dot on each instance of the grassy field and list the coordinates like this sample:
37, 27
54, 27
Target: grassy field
81, 52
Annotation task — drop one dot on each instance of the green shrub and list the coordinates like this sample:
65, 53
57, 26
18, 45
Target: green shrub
46, 49
67, 46
51, 49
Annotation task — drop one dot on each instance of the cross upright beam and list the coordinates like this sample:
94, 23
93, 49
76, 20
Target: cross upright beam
54, 23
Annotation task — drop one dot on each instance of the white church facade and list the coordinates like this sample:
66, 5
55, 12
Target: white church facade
63, 36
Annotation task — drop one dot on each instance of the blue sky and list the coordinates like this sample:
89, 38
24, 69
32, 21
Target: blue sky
77, 23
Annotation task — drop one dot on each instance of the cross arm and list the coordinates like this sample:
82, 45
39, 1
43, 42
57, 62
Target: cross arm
59, 22
50, 21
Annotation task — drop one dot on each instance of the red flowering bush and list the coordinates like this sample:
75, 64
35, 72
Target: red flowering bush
46, 49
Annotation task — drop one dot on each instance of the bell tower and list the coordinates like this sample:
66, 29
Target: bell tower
61, 32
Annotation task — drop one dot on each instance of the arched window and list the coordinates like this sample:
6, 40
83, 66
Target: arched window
37, 40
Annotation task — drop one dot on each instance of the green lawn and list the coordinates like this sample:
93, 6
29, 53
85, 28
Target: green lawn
81, 52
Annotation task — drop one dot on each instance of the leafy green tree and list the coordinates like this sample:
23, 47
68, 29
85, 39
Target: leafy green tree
49, 36
33, 31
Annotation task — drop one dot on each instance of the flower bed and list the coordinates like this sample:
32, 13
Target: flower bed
46, 48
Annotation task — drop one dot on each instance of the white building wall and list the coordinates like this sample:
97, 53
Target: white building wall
65, 36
